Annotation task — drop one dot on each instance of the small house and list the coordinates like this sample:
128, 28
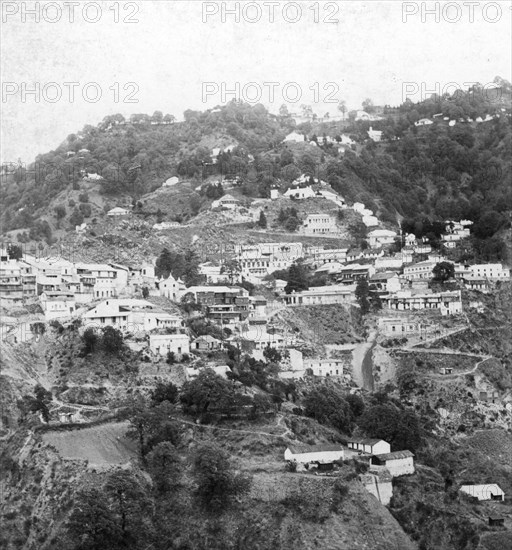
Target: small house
445, 370
306, 454
300, 193
117, 211
368, 445
171, 182
227, 201
206, 343
488, 491
496, 521
398, 463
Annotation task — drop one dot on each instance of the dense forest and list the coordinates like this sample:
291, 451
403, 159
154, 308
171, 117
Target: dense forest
439, 171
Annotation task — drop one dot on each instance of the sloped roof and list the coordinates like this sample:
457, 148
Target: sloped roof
302, 449
395, 455
365, 441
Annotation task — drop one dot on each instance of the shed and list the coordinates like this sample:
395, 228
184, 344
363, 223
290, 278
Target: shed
496, 521
488, 491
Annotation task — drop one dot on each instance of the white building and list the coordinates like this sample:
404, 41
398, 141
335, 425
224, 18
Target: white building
319, 224
294, 137
164, 343
389, 262
449, 303
488, 491
259, 260
321, 295
171, 182
369, 445
493, 272
325, 367
398, 463
306, 454
381, 237
423, 122
171, 288
375, 135
320, 255
300, 193
117, 211
57, 305
227, 201
370, 221
420, 270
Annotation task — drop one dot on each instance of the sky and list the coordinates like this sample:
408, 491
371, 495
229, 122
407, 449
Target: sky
87, 61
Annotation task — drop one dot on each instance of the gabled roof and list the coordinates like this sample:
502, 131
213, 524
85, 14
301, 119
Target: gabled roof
365, 441
303, 449
395, 455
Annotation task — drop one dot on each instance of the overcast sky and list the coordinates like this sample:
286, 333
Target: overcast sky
347, 50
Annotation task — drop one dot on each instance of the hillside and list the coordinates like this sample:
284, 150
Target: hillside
436, 172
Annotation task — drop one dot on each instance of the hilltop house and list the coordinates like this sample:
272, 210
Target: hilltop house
386, 282
492, 272
319, 224
449, 303
488, 491
300, 193
117, 211
375, 135
423, 122
294, 137
381, 237
206, 343
398, 463
325, 367
58, 305
227, 201
171, 288
321, 295
369, 446
165, 343
306, 454
171, 181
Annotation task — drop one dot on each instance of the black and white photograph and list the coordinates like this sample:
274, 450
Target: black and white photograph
255, 275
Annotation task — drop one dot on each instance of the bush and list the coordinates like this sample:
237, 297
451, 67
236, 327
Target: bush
291, 466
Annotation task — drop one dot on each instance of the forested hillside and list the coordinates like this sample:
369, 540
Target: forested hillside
444, 170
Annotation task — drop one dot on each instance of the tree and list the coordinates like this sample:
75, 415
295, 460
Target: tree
368, 106
112, 340
443, 271
398, 427
76, 218
85, 210
327, 406
297, 279
129, 501
342, 108
15, 252
362, 293
163, 464
216, 483
60, 211
164, 392
39, 402
262, 221
272, 355
90, 340
92, 524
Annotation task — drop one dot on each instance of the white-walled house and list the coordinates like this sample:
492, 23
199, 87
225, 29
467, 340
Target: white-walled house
493, 272
375, 135
449, 303
300, 193
58, 305
488, 491
398, 463
381, 237
117, 211
369, 445
171, 288
164, 343
319, 224
294, 137
305, 454
325, 367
